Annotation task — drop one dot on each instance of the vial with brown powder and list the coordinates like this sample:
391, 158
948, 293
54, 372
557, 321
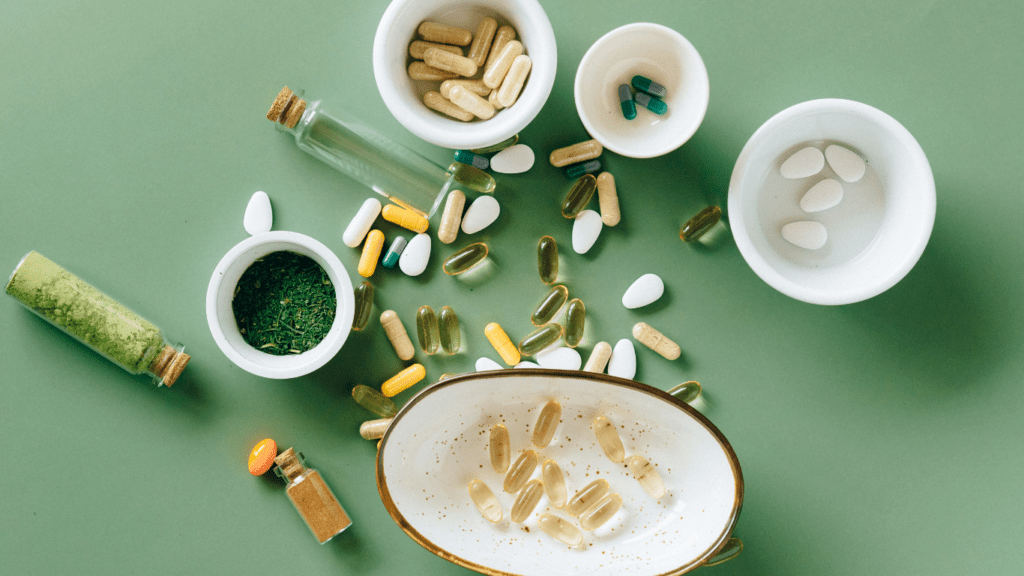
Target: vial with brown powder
311, 496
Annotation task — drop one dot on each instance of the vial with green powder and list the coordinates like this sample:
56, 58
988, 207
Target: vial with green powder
95, 319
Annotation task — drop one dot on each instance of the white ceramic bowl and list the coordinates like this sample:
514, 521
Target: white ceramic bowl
221, 318
438, 443
654, 51
876, 233
404, 97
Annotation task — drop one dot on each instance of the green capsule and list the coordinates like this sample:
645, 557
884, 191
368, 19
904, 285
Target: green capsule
497, 147
550, 305
687, 391
698, 225
473, 159
363, 307
426, 330
626, 102
575, 318
577, 170
651, 103
650, 86
465, 259
540, 339
547, 259
579, 195
471, 177
374, 401
451, 339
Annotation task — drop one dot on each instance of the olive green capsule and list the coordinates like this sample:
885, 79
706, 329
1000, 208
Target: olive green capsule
540, 339
601, 512
549, 305
587, 497
451, 338
374, 401
579, 195
465, 259
363, 306
575, 318
507, 143
547, 259
698, 225
687, 391
426, 330
471, 177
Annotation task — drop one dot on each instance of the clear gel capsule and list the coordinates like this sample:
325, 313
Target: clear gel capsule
485, 501
580, 152
451, 338
527, 500
655, 340
427, 330
575, 319
507, 143
651, 103
451, 219
549, 305
608, 438
554, 483
547, 422
394, 252
598, 358
577, 170
601, 512
645, 84
547, 259
504, 35
419, 47
435, 101
608, 199
587, 497
540, 339
699, 225
502, 343
646, 475
500, 448
403, 380
471, 177
363, 305
626, 103
374, 401
687, 391
481, 45
399, 338
560, 529
473, 159
520, 472
371, 253
405, 218
374, 429
579, 196
471, 102
444, 34
465, 259
444, 60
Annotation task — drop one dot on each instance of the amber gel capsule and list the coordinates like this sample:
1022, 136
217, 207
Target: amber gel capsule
451, 338
527, 500
540, 339
608, 438
646, 475
547, 421
601, 512
587, 497
699, 225
363, 306
560, 529
575, 319
465, 259
500, 448
427, 330
374, 401
485, 501
520, 471
554, 483
549, 305
547, 259
579, 196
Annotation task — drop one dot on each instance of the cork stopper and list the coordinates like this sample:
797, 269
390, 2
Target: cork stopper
169, 364
290, 464
287, 109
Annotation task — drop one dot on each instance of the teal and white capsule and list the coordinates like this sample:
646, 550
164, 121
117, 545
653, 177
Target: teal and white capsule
577, 170
394, 251
645, 84
626, 102
651, 103
473, 159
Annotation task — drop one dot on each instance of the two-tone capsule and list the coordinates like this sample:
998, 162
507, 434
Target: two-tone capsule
651, 103
465, 259
485, 501
451, 337
394, 252
579, 196
549, 305
502, 343
547, 422
577, 170
374, 401
526, 501
540, 339
473, 159
547, 259
427, 330
575, 321
363, 305
403, 380
699, 225
645, 84
626, 103
499, 447
520, 472
608, 438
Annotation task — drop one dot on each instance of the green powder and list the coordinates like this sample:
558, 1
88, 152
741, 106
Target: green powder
81, 310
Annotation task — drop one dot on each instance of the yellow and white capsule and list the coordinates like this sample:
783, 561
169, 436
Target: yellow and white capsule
371, 253
405, 218
403, 380
502, 343
399, 338
444, 34
435, 101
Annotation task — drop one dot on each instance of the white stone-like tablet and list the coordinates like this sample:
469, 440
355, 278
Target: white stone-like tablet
805, 234
585, 230
259, 217
561, 358
623, 360
847, 164
822, 196
527, 364
645, 290
361, 223
414, 258
484, 364
513, 160
480, 214
804, 163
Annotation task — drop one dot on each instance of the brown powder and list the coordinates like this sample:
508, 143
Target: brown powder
318, 506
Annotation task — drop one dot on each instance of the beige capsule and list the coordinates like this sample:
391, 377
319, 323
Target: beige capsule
601, 512
560, 529
504, 35
499, 447
481, 45
646, 475
579, 152
485, 501
444, 34
608, 199
520, 471
655, 340
451, 219
512, 85
527, 500
374, 429
554, 483
418, 47
496, 71
443, 60
435, 101
608, 438
493, 99
598, 358
476, 86
547, 422
422, 71
471, 102
587, 497
399, 338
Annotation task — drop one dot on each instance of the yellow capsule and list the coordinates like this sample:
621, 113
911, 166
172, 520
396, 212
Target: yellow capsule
435, 101
418, 47
580, 152
547, 259
646, 475
444, 34
451, 338
374, 401
598, 358
399, 338
500, 448
656, 341
547, 422
497, 69
476, 86
504, 35
465, 259
405, 218
560, 529
485, 501
699, 225
608, 438
371, 253
403, 380
554, 483
471, 102
587, 497
374, 429
481, 45
427, 330
502, 343
363, 306
687, 391
549, 305
601, 512
575, 320
444, 60
527, 500
520, 471
608, 199
579, 196
512, 85
421, 71
540, 339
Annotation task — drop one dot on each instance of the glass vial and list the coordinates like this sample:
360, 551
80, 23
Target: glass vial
384, 166
311, 496
95, 319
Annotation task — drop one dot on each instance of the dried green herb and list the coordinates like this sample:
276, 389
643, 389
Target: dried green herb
284, 303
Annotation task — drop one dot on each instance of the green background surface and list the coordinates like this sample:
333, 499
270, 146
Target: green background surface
878, 437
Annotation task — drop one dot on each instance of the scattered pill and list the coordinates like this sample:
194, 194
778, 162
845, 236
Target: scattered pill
554, 483
579, 152
587, 497
805, 234
520, 471
626, 103
549, 305
474, 178
502, 343
687, 391
585, 231
484, 364
427, 331
422, 71
646, 475
499, 447
526, 501
261, 458
363, 305
444, 34
361, 223
496, 70
394, 252
608, 437
471, 102
601, 512
560, 359
540, 339
806, 162
822, 196
371, 253
482, 39
575, 321
464, 260
649, 86
547, 259
416, 255
547, 422
506, 143
399, 338
403, 380
560, 529
473, 159
513, 82
449, 62
435, 101
485, 501
374, 429
643, 291
451, 338
699, 225
451, 219
405, 218
259, 217
503, 36
577, 198
598, 358
651, 103
846, 163
480, 214
475, 86
513, 160
419, 47
608, 199
527, 364
623, 361
374, 401
577, 170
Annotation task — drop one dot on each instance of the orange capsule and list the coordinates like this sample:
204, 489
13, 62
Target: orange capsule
262, 457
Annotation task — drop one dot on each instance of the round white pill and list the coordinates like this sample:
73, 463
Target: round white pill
527, 364
805, 234
643, 291
259, 217
414, 258
847, 164
623, 360
484, 364
806, 162
361, 223
480, 214
560, 358
585, 230
822, 196
513, 160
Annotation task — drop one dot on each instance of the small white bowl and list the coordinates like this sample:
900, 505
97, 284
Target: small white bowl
221, 317
404, 97
875, 234
654, 51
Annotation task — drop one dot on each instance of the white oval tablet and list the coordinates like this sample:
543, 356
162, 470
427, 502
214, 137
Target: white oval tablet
484, 364
822, 196
585, 230
361, 223
513, 160
805, 234
561, 358
806, 162
847, 164
414, 258
645, 290
259, 217
527, 364
623, 360
480, 214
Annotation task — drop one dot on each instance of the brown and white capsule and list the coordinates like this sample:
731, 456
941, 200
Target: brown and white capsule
513, 82
418, 47
444, 34
435, 101
608, 437
646, 475
481, 45
471, 102
587, 497
444, 60
374, 429
579, 152
527, 500
601, 512
451, 219
598, 358
504, 35
560, 529
499, 448
608, 199
655, 340
520, 471
475, 86
485, 501
547, 422
399, 338
496, 70
554, 482
423, 71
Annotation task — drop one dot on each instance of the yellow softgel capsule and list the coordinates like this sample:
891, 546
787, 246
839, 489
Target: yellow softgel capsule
608, 438
554, 483
371, 253
504, 35
403, 380
481, 45
399, 338
579, 152
485, 501
646, 475
374, 429
502, 343
422, 71
655, 340
444, 34
471, 102
560, 529
514, 79
435, 101
601, 512
547, 422
527, 500
500, 448
261, 458
419, 47
444, 60
496, 70
520, 471
587, 497
405, 218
